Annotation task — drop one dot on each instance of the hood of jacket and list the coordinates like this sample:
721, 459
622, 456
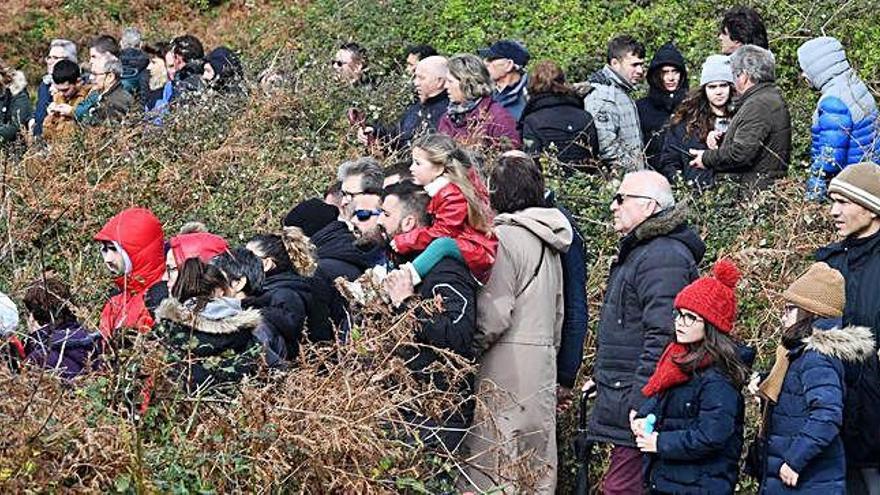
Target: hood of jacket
670, 223
336, 241
542, 101
822, 59
18, 84
548, 224
668, 54
140, 234
607, 77
852, 343
202, 245
219, 317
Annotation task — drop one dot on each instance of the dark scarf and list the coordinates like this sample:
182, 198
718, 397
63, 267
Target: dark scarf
458, 112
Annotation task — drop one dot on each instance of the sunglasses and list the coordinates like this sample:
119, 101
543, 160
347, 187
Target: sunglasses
619, 198
107, 247
337, 63
687, 318
364, 215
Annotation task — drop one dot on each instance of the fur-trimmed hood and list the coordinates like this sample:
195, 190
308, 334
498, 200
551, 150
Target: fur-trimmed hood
851, 343
18, 84
670, 223
232, 321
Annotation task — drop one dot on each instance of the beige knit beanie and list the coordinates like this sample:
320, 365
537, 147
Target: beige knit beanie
859, 183
820, 290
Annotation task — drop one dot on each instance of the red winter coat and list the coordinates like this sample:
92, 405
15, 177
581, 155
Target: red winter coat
140, 234
489, 124
449, 208
201, 245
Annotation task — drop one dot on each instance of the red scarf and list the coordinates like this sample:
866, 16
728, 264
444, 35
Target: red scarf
668, 374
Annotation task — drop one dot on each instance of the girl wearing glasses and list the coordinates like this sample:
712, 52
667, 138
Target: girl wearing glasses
460, 208
694, 398
804, 392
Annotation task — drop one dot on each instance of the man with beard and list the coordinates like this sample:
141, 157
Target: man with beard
448, 326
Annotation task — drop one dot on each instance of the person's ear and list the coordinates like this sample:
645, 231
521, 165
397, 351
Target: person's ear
238, 285
408, 223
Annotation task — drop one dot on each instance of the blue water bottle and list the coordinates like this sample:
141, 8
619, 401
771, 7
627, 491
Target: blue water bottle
650, 421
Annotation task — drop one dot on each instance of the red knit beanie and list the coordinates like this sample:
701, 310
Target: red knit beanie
713, 298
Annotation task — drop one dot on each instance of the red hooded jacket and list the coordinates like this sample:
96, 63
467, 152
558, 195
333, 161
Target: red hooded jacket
201, 245
140, 234
449, 208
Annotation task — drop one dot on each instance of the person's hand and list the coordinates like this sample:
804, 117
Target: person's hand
637, 425
364, 135
713, 139
697, 162
647, 443
399, 286
788, 476
563, 399
589, 386
62, 108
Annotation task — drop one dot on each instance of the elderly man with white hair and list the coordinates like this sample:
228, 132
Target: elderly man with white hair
420, 117
59, 49
756, 148
658, 256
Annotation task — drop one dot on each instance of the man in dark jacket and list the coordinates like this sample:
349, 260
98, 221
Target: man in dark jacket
186, 63
658, 256
337, 257
855, 196
451, 327
757, 146
420, 117
667, 87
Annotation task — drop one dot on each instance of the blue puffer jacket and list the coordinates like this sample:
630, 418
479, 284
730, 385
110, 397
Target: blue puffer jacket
700, 426
845, 122
804, 425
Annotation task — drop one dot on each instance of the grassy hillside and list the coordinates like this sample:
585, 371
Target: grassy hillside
239, 164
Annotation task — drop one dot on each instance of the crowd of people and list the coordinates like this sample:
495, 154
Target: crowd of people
505, 263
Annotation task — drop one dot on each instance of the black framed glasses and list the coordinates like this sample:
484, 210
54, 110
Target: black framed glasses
364, 215
337, 63
688, 319
619, 198
107, 247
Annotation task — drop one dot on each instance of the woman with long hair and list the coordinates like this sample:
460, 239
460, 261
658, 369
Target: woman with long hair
473, 117
692, 423
804, 393
699, 123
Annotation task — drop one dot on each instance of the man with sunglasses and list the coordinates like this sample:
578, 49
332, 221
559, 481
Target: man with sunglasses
350, 64
657, 256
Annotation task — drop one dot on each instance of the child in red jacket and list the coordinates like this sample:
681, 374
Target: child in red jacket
459, 206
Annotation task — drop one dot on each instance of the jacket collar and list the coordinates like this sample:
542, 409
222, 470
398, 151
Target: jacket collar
541, 101
852, 344
230, 322
757, 88
859, 247
609, 77
441, 97
436, 185
671, 222
510, 94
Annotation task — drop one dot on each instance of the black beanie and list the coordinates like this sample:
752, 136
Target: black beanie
311, 216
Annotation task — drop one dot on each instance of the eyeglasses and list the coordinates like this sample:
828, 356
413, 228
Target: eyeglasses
337, 63
688, 319
364, 215
619, 198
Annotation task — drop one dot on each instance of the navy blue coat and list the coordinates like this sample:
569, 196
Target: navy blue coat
656, 261
574, 323
700, 426
417, 119
803, 428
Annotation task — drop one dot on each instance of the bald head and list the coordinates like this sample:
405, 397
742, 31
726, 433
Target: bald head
430, 77
652, 184
640, 195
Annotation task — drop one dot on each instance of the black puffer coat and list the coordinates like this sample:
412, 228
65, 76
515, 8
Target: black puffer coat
213, 347
559, 121
284, 305
859, 262
655, 261
337, 257
656, 108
